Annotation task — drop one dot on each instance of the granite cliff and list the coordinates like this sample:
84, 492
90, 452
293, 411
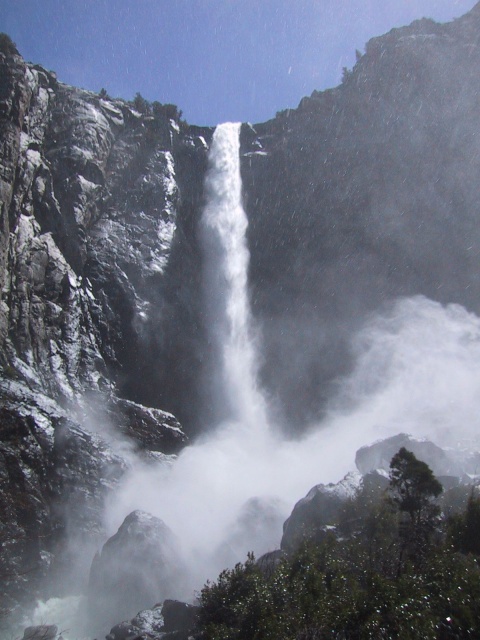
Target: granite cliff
364, 193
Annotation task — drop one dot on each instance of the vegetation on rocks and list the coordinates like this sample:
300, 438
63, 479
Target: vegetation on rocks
386, 576
156, 109
7, 45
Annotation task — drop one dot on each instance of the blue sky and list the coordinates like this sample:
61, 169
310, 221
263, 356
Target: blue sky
218, 60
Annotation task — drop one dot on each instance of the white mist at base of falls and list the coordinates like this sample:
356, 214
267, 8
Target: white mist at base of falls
417, 371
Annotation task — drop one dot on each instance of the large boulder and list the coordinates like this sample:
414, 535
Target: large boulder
146, 624
317, 513
41, 632
138, 565
179, 616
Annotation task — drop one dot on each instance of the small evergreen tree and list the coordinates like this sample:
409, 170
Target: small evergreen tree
141, 104
414, 488
7, 45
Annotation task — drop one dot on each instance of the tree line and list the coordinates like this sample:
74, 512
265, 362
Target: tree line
393, 567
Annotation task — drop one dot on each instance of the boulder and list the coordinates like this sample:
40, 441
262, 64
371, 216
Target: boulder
122, 631
179, 616
316, 514
146, 624
138, 565
41, 632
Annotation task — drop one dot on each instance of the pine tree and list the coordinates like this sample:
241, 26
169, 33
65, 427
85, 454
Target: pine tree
464, 529
414, 488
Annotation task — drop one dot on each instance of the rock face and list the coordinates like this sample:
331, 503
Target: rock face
364, 193
90, 197
314, 515
138, 565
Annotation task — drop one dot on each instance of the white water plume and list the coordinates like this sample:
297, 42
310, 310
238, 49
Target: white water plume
227, 310
64, 613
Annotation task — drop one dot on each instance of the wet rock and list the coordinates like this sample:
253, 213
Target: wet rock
146, 624
179, 616
41, 632
136, 566
317, 513
149, 620
154, 430
123, 631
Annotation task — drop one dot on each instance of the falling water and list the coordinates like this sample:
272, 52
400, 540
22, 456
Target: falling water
226, 258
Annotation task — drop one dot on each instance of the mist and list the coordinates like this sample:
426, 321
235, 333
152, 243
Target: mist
417, 371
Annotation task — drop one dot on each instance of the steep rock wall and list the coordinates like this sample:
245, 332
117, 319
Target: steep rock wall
364, 193
90, 201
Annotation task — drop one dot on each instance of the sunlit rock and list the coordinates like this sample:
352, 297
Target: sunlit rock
316, 514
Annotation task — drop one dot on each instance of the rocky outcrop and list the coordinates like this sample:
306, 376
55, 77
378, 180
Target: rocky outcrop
146, 624
174, 620
56, 474
90, 200
138, 565
325, 507
317, 513
91, 226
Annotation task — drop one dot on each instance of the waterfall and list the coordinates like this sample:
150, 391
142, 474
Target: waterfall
233, 375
